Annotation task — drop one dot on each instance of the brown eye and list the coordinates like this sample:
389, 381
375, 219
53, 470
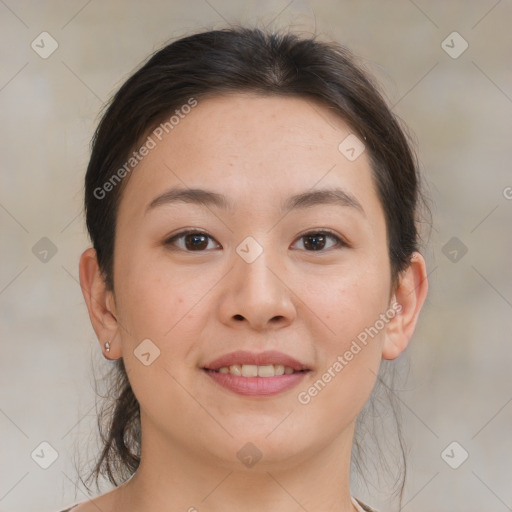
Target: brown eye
196, 242
314, 242
192, 241
319, 241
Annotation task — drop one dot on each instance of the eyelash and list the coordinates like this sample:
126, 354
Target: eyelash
339, 242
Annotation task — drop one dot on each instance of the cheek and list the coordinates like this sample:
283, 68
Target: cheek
155, 306
145, 307
161, 303
351, 306
347, 302
150, 298
349, 354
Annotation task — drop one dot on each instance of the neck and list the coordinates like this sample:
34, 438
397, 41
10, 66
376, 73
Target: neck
171, 477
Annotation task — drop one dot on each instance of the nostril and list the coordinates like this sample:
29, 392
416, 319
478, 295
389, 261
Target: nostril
238, 317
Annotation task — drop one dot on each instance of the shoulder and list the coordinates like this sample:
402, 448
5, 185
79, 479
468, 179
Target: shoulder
86, 506
92, 505
103, 503
362, 507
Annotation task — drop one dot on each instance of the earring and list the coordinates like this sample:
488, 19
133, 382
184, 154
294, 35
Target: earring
107, 346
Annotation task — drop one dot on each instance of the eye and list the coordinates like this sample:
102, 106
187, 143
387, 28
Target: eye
192, 241
320, 240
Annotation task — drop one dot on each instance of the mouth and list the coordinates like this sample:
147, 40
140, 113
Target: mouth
253, 370
250, 374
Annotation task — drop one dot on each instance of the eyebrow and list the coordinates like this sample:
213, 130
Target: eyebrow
334, 196
308, 199
191, 196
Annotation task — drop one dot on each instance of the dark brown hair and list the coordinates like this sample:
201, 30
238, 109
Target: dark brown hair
219, 62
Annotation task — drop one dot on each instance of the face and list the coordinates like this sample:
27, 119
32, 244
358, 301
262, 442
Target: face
283, 252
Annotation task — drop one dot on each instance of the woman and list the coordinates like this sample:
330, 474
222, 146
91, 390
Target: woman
251, 202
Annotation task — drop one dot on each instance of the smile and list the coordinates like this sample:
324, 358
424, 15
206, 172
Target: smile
256, 374
256, 386
253, 370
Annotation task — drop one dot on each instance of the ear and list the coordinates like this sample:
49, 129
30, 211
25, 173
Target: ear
100, 303
409, 297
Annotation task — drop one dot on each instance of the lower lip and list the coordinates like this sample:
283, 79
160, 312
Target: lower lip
256, 386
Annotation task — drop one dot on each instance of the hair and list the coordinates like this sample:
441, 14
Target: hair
234, 60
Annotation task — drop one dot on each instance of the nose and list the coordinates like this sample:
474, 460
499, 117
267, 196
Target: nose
256, 295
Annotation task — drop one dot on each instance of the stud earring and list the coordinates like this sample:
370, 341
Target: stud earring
107, 346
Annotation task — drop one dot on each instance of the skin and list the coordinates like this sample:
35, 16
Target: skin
196, 306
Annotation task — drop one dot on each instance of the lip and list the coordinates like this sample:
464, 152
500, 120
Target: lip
260, 359
256, 386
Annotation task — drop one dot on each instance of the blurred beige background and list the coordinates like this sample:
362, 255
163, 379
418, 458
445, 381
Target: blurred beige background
456, 100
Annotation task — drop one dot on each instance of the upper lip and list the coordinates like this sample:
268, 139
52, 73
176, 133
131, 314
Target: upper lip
260, 359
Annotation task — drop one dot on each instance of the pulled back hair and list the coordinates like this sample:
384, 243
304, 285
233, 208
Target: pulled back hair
218, 62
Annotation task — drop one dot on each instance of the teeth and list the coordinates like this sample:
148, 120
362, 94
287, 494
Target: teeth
266, 371
252, 370
249, 370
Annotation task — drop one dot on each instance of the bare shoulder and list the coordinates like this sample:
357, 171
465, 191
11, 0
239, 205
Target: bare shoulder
105, 503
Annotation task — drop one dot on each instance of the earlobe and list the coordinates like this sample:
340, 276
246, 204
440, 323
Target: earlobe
100, 304
410, 294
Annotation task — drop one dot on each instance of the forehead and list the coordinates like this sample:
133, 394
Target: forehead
249, 123
257, 149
